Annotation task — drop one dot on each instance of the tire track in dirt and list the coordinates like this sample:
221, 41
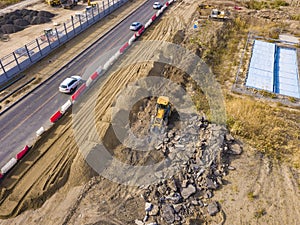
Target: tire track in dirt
260, 192
277, 194
40, 181
36, 175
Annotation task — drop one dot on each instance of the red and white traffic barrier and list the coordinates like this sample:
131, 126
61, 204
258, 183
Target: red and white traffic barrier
88, 82
94, 75
164, 7
140, 31
106, 66
159, 12
99, 70
148, 23
22, 152
55, 116
40, 131
153, 17
110, 62
132, 39
78, 92
65, 106
8, 165
123, 48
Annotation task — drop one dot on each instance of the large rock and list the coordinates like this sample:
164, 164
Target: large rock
236, 149
211, 184
168, 214
229, 138
188, 191
148, 206
138, 222
213, 208
208, 194
154, 211
184, 183
172, 185
177, 207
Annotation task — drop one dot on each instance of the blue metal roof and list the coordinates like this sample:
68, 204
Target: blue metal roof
274, 69
286, 72
260, 74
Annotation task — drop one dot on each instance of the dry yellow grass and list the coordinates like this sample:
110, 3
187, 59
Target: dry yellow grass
4, 3
272, 130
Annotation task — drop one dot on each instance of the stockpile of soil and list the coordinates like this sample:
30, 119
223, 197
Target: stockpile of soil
20, 19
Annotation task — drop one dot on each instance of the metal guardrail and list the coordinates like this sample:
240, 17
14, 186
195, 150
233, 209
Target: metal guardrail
22, 58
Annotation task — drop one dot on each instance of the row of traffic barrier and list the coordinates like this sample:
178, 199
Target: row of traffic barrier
99, 71
13, 161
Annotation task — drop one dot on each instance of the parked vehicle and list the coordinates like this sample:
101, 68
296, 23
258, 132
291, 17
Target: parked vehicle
70, 84
135, 26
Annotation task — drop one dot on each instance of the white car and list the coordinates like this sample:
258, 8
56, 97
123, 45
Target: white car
157, 5
69, 84
135, 26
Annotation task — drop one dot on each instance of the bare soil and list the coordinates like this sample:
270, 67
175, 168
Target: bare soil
54, 185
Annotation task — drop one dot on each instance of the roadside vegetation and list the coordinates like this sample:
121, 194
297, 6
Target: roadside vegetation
5, 3
253, 4
272, 129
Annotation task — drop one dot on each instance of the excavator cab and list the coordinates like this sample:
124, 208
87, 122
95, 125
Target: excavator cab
162, 112
219, 15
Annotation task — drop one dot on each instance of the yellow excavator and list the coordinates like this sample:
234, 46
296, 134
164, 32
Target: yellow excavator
90, 3
64, 3
218, 15
159, 121
53, 2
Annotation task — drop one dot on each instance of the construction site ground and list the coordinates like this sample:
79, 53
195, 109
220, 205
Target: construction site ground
54, 185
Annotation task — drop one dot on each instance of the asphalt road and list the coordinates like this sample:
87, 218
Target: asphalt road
18, 125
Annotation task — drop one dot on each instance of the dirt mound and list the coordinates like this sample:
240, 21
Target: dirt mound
39, 19
28, 18
45, 14
15, 17
21, 22
22, 18
10, 28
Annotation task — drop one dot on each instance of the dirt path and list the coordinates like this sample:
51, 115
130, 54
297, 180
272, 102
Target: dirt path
260, 192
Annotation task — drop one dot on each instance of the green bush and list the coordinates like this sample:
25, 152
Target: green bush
257, 5
278, 3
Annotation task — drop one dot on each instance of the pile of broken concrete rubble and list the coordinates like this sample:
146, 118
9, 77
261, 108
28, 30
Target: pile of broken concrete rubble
201, 151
